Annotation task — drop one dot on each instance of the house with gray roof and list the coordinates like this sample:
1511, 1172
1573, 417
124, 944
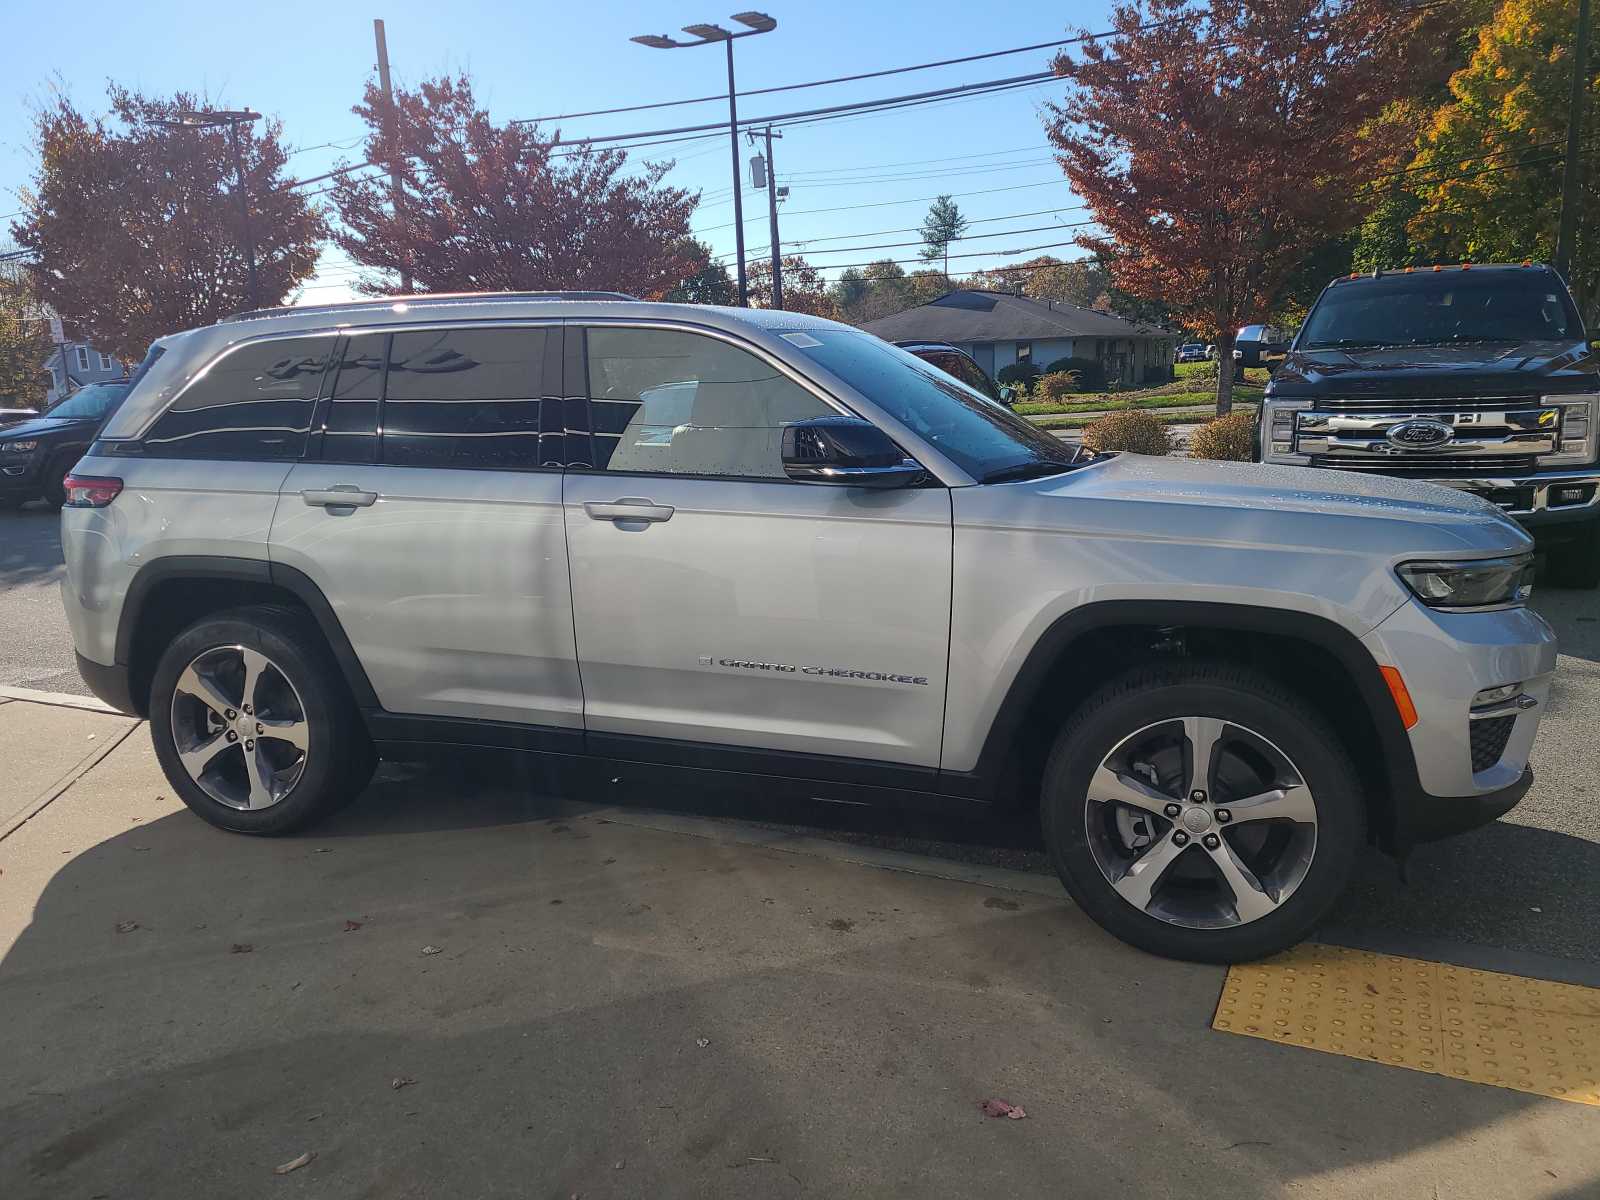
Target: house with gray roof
1000, 328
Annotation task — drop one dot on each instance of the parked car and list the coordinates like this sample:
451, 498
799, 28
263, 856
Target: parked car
1477, 378
37, 452
954, 361
1191, 352
10, 416
1261, 345
316, 538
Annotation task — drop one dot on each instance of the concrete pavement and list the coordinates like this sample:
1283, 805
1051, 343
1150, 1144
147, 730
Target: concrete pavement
618, 1003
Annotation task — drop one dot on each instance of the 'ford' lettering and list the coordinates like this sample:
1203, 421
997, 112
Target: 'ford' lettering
1423, 434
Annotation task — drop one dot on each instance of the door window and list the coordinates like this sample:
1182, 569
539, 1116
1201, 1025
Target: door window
350, 426
469, 398
667, 402
254, 403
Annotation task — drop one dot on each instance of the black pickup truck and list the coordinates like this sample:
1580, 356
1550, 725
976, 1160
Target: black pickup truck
1475, 377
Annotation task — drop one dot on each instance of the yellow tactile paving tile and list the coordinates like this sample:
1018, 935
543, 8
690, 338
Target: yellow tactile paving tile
1509, 1031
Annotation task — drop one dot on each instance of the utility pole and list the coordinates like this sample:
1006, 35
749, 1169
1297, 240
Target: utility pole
771, 184
244, 212
396, 192
1571, 176
738, 191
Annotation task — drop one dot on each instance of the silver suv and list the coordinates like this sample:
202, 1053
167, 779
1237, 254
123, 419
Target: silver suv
724, 545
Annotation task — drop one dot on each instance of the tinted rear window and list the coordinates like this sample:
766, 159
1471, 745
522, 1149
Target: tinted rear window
255, 402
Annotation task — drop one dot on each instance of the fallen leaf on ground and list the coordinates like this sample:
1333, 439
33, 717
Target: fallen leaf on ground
240, 948
400, 1081
323, 850
617, 1166
127, 926
431, 950
294, 1164
141, 847
702, 1042
351, 926
1371, 991
1000, 1108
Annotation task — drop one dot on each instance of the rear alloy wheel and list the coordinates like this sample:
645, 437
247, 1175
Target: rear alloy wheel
253, 724
1200, 811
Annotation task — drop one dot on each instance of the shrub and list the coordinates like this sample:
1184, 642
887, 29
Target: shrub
1132, 429
1058, 385
1022, 372
1091, 375
1230, 438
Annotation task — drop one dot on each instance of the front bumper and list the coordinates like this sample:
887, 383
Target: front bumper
19, 477
111, 684
1446, 659
1538, 499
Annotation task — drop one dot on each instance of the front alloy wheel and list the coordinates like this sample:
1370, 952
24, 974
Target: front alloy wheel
240, 728
1201, 823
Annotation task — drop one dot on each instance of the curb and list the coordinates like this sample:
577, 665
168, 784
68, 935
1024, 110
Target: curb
59, 699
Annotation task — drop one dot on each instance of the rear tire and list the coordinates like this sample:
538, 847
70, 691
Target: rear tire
55, 477
1575, 564
297, 753
1280, 812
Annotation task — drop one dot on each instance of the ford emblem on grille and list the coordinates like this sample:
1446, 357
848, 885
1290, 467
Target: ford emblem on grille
1421, 435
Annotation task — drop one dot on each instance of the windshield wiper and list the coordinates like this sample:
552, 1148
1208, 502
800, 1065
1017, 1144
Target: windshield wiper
1035, 469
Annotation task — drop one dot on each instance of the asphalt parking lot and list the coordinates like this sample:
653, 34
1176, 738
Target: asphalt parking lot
463, 985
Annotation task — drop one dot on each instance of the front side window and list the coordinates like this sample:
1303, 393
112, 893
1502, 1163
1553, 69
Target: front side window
350, 423
986, 440
469, 398
255, 402
676, 403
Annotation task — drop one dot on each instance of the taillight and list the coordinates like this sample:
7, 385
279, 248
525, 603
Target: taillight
91, 491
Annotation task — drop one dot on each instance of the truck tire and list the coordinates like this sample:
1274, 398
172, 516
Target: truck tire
1575, 564
253, 724
1201, 810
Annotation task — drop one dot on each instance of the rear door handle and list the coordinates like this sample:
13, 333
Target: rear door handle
629, 508
340, 495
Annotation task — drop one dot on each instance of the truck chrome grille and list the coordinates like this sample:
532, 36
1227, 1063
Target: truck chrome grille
1429, 466
1429, 437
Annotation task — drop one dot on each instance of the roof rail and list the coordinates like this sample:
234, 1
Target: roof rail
425, 299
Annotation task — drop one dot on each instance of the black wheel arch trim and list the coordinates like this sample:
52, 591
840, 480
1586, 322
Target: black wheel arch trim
244, 570
1399, 762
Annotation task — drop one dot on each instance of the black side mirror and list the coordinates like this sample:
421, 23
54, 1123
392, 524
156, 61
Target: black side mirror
845, 450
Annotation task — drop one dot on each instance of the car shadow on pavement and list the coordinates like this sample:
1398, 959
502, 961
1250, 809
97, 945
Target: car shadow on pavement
30, 545
527, 1000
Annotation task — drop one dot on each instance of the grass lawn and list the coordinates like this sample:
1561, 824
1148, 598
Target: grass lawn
1079, 421
1153, 398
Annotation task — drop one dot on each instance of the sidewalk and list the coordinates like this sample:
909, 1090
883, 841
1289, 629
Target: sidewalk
459, 988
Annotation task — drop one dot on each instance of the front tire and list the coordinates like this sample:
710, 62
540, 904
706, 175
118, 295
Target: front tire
253, 725
1202, 811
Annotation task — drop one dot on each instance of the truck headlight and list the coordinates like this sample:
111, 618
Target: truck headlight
19, 447
1478, 583
1279, 430
1580, 424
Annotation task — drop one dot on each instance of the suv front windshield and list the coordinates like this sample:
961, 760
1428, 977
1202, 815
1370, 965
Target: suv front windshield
983, 437
1438, 309
90, 403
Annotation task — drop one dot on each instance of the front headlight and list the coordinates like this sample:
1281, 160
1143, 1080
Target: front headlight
1580, 427
1482, 583
19, 447
1279, 430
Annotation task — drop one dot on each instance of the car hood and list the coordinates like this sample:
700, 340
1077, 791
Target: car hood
1199, 501
1416, 371
38, 427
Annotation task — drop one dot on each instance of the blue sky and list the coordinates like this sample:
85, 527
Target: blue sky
307, 63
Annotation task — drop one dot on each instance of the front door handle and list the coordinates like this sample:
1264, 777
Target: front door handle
340, 495
630, 508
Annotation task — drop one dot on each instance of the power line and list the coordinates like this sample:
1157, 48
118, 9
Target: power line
891, 203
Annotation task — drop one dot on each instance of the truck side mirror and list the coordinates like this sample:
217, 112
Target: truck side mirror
845, 451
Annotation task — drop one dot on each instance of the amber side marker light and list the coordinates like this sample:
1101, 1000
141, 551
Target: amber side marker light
1402, 698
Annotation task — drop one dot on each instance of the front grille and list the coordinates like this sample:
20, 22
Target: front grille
1489, 738
1420, 466
1411, 404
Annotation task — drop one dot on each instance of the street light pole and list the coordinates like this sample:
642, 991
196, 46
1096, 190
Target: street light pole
232, 119
755, 23
1566, 232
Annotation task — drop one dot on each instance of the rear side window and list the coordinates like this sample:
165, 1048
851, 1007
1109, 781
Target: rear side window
256, 403
350, 428
468, 398
674, 403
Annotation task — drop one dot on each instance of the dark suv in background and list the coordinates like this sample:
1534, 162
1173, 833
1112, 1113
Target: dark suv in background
1476, 377
37, 454
958, 363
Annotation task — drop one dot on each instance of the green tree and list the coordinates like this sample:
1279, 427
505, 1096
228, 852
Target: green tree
943, 224
1488, 171
708, 281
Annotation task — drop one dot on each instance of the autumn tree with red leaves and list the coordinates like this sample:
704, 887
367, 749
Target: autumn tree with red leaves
488, 207
1217, 146
135, 228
